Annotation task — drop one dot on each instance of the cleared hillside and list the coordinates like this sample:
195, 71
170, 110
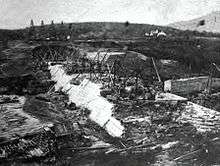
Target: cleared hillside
208, 23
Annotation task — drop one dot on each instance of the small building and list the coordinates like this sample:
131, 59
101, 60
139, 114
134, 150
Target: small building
155, 33
161, 33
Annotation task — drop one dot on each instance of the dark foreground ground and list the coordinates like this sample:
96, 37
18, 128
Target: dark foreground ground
153, 133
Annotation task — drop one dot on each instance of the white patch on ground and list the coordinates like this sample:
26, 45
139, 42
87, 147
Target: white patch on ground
87, 95
168, 62
103, 54
168, 96
131, 119
99, 144
169, 145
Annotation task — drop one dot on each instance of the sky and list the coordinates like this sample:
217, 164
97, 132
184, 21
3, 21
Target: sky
16, 14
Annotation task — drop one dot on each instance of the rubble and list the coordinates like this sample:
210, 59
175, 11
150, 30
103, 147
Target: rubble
211, 101
99, 105
204, 119
14, 121
32, 146
22, 136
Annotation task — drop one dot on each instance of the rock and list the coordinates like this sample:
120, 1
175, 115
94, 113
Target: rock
75, 82
82, 122
71, 106
148, 96
105, 92
43, 97
111, 98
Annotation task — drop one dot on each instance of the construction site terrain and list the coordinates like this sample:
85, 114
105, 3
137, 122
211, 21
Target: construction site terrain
109, 102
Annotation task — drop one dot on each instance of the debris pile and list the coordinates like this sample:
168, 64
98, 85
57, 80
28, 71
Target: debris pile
211, 101
22, 136
32, 146
105, 104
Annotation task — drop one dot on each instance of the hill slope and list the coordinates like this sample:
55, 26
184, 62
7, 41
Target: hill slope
208, 23
104, 29
94, 30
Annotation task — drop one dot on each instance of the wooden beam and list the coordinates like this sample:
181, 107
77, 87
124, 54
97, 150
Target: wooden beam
190, 85
155, 67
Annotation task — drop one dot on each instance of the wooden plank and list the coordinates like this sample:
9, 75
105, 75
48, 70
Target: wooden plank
190, 85
155, 67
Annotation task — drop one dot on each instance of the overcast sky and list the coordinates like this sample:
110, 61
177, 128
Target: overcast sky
18, 13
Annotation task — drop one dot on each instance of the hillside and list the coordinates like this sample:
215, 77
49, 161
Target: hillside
11, 34
93, 30
208, 23
106, 30
101, 30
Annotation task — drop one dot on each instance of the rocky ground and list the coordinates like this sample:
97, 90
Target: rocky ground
47, 127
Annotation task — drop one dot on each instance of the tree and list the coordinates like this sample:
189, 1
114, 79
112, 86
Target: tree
32, 23
42, 23
201, 23
127, 24
62, 31
125, 32
31, 30
52, 30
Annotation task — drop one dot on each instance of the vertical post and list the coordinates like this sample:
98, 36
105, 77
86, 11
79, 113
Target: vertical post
209, 82
155, 67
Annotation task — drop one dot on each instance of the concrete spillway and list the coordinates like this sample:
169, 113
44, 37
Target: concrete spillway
87, 95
